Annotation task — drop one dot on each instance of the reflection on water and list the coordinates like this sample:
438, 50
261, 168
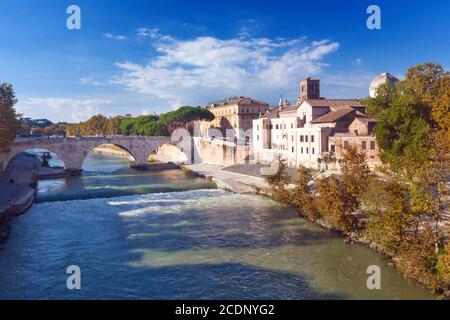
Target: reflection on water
195, 244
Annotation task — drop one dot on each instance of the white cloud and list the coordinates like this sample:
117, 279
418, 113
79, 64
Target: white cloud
199, 70
152, 33
115, 37
90, 81
358, 62
61, 109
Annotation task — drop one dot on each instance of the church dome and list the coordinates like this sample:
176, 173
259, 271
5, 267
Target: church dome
381, 79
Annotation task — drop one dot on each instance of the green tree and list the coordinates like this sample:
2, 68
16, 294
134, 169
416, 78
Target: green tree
9, 123
402, 132
185, 117
384, 98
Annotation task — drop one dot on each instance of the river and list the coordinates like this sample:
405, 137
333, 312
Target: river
166, 235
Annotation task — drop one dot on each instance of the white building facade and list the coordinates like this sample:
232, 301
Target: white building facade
300, 133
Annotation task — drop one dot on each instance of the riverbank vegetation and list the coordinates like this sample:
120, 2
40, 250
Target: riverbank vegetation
400, 209
146, 125
9, 119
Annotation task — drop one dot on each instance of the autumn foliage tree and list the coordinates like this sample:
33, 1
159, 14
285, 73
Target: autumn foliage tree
339, 197
279, 182
302, 196
9, 123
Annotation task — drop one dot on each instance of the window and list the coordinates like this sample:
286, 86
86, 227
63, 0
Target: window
312, 150
292, 138
257, 127
301, 138
301, 150
271, 126
332, 148
257, 138
307, 150
285, 126
292, 126
276, 126
372, 145
292, 149
364, 145
306, 139
312, 138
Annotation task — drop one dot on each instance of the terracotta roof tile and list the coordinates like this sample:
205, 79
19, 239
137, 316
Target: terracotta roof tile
335, 104
333, 116
238, 101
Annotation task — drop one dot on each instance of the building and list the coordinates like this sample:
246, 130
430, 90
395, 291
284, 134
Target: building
235, 114
37, 123
380, 80
360, 135
301, 133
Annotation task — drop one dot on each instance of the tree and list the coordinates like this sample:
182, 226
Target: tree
355, 171
187, 114
415, 120
338, 198
96, 125
422, 83
279, 181
387, 205
334, 205
402, 132
56, 129
384, 98
113, 125
443, 265
302, 196
9, 123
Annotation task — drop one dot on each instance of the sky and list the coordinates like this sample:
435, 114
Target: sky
145, 57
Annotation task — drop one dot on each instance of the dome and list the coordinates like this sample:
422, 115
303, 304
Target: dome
381, 79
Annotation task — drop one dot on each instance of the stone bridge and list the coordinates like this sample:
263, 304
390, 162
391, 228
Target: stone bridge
73, 150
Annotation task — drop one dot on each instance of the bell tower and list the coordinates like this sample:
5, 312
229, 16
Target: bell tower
309, 89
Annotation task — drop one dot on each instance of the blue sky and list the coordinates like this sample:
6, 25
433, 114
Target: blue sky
142, 57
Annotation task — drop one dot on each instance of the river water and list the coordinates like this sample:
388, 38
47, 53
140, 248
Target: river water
166, 235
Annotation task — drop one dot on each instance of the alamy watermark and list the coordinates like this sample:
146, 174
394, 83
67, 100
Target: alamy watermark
374, 280
74, 280
73, 21
374, 20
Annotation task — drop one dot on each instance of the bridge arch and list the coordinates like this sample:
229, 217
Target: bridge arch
109, 149
74, 150
15, 151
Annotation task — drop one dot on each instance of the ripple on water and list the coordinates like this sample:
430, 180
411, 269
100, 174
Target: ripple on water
196, 244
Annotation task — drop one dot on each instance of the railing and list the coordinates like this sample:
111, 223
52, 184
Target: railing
86, 138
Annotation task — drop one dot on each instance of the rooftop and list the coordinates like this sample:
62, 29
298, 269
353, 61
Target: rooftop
237, 101
335, 104
333, 116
